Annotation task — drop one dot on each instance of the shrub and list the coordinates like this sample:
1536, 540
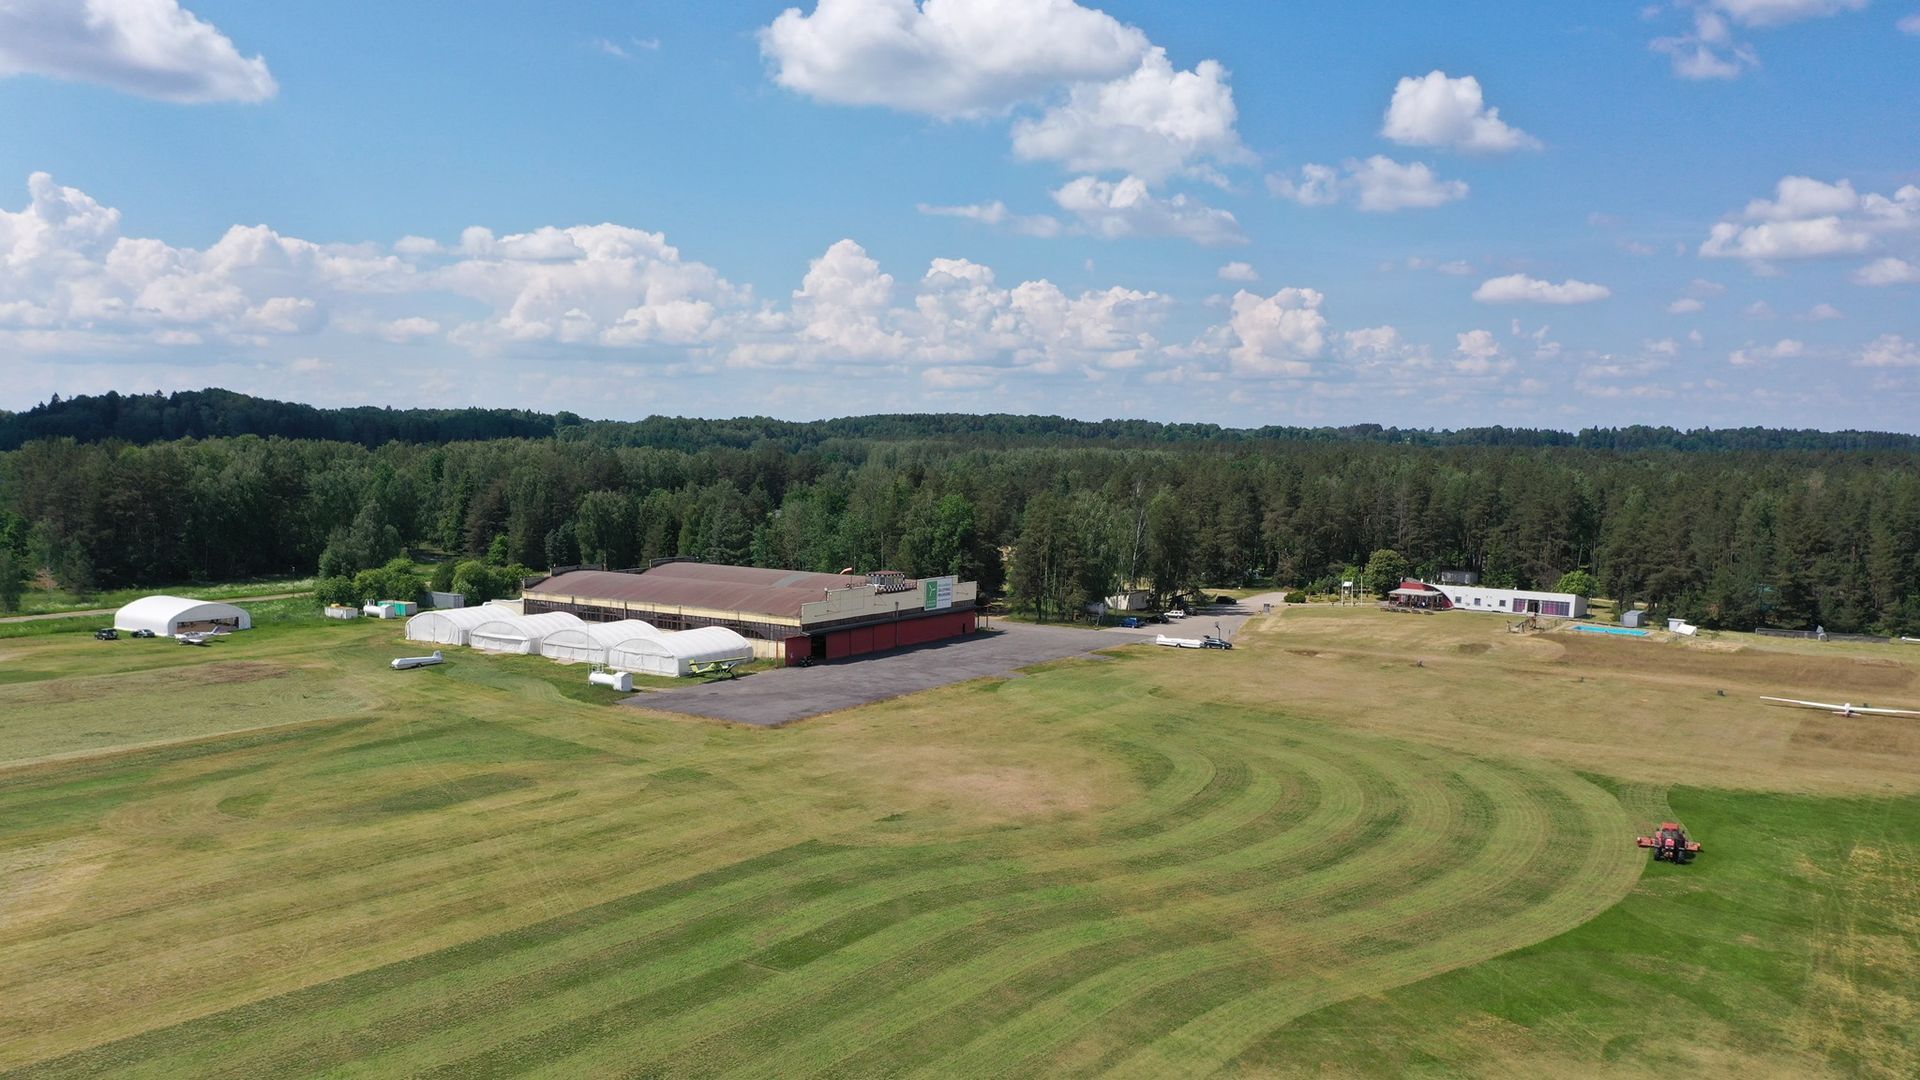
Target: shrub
1577, 582
336, 590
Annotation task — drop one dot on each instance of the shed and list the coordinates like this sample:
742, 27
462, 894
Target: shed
1634, 617
450, 626
589, 642
677, 653
172, 615
519, 633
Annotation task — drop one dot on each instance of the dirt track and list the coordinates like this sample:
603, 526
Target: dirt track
108, 611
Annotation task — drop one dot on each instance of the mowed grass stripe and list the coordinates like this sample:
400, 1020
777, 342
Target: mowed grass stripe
35, 800
804, 891
1178, 890
777, 994
1047, 1023
292, 860
931, 993
302, 1005
863, 923
952, 938
615, 1007
1166, 886
630, 972
1414, 859
958, 1014
430, 899
601, 1050
1392, 953
488, 989
1250, 860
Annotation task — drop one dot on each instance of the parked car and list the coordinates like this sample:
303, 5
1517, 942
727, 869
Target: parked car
1131, 622
106, 633
1176, 613
143, 633
1211, 642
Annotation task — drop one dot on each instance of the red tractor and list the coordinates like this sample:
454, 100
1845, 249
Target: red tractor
1670, 842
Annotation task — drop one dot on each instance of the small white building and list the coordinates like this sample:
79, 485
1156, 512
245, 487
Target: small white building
1515, 601
518, 633
588, 643
170, 615
678, 653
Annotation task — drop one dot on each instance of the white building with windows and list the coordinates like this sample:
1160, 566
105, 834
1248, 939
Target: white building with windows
1514, 601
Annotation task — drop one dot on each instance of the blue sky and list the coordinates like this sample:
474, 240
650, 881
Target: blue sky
1700, 212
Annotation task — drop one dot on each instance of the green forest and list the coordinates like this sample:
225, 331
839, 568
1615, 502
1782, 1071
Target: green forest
1731, 529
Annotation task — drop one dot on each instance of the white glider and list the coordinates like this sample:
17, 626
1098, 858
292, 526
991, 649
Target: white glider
1844, 709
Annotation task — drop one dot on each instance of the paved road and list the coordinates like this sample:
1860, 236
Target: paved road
1228, 618
112, 611
786, 694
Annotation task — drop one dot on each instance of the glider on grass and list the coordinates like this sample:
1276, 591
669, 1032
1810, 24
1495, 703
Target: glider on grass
1845, 709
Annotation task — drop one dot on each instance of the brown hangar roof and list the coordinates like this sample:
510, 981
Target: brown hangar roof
745, 589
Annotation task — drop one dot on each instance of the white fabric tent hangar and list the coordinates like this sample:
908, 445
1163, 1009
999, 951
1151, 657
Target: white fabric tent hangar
450, 626
519, 633
677, 653
172, 615
588, 643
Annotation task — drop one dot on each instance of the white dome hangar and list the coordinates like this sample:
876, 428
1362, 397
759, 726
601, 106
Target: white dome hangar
172, 615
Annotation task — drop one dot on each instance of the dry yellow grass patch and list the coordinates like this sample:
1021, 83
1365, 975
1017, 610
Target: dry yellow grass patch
1657, 711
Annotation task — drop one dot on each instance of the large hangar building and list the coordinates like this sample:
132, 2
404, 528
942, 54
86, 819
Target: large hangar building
785, 614
170, 615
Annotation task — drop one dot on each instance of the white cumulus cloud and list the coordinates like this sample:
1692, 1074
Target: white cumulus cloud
1781, 12
1238, 271
1890, 350
1521, 289
1810, 218
996, 214
1686, 305
1478, 352
1377, 185
66, 270
1129, 208
1276, 335
1382, 347
1434, 110
1887, 271
1710, 50
71, 284
153, 48
1910, 24
1151, 123
947, 58
410, 329
1784, 349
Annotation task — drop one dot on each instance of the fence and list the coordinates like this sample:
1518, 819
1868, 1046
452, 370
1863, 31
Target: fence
1810, 635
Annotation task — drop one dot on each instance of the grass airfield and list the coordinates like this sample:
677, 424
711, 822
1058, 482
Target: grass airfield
1359, 844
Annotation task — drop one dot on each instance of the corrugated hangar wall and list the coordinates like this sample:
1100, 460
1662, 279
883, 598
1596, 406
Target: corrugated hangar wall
859, 640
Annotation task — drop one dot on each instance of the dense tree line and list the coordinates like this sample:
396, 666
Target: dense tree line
209, 414
205, 414
1729, 538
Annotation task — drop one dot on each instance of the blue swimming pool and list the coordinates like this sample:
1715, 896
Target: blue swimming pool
1622, 631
